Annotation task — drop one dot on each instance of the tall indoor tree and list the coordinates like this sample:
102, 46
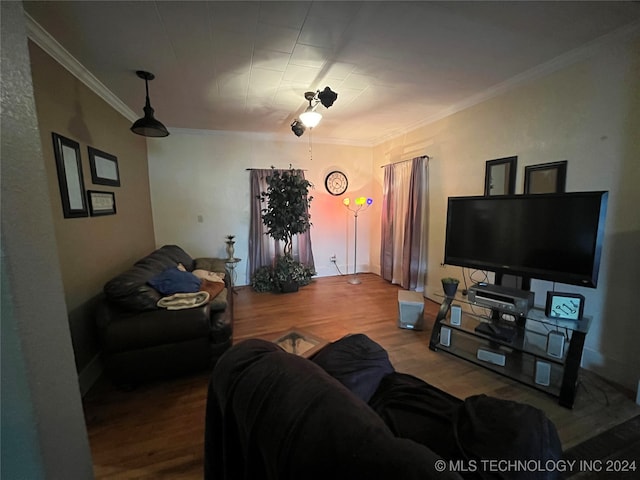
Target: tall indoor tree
285, 215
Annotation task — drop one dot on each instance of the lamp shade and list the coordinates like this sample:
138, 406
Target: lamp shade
298, 127
148, 126
310, 118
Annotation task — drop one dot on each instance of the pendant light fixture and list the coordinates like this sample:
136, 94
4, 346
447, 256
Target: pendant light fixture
148, 126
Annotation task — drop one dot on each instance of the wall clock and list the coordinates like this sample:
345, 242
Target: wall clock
336, 182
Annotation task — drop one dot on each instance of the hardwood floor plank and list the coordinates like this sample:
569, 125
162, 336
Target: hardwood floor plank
157, 431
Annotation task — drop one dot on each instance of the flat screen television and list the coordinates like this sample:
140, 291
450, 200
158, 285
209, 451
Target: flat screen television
555, 237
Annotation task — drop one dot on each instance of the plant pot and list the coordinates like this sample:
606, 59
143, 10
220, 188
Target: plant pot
449, 288
289, 287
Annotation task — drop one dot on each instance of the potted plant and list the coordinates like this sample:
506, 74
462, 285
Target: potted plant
262, 279
286, 276
285, 215
450, 285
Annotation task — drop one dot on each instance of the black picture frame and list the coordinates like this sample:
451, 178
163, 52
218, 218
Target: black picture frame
70, 177
101, 203
500, 176
545, 178
564, 305
104, 168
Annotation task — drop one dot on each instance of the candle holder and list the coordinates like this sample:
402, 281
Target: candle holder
230, 249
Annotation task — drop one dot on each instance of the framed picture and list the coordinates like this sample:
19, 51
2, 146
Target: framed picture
104, 168
70, 180
545, 178
101, 203
500, 176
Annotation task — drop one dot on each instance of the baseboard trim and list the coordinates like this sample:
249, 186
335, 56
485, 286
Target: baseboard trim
90, 374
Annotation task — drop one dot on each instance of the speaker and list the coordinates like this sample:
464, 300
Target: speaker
555, 344
492, 357
445, 336
456, 314
543, 373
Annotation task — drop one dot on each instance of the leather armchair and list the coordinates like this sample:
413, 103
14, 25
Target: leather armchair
142, 342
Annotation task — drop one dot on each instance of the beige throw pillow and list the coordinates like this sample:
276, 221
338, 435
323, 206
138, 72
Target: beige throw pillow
207, 275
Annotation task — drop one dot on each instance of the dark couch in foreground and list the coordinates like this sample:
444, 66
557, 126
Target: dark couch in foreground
346, 414
142, 341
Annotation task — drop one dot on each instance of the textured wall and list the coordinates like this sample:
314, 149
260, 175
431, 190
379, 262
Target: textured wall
43, 431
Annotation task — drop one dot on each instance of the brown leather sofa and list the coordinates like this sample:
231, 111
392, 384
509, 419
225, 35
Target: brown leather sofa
141, 341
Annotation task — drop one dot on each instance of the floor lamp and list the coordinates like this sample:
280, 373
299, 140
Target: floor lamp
361, 203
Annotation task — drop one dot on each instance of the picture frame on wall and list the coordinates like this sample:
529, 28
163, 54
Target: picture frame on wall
104, 168
545, 178
500, 176
101, 203
70, 177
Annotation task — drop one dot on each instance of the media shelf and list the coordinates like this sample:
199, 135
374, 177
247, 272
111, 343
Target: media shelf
523, 354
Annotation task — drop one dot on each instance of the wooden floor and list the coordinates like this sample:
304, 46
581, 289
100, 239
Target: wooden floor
157, 430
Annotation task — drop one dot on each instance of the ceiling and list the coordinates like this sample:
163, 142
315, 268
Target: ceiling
244, 66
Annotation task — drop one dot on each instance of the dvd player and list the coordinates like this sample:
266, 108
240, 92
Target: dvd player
504, 299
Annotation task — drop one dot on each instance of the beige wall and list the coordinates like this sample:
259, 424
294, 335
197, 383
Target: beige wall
588, 114
91, 250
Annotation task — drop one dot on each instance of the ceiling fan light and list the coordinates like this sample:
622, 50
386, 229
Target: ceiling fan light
298, 128
327, 97
310, 118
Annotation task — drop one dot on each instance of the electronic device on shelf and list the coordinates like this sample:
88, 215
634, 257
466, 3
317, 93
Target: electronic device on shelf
503, 299
555, 236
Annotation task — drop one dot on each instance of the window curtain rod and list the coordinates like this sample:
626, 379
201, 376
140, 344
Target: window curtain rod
407, 160
291, 168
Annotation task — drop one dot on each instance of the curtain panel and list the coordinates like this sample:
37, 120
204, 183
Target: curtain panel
262, 248
403, 253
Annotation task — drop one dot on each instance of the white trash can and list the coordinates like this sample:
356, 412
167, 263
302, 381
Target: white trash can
410, 310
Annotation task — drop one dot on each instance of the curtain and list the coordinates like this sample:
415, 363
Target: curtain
403, 253
262, 248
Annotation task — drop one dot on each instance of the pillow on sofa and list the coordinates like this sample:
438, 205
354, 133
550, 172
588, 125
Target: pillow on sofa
212, 288
172, 281
210, 276
357, 362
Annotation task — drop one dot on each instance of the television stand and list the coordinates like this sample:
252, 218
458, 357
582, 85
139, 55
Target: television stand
522, 354
500, 332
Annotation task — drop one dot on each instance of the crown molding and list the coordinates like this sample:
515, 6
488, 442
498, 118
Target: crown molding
564, 60
50, 45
